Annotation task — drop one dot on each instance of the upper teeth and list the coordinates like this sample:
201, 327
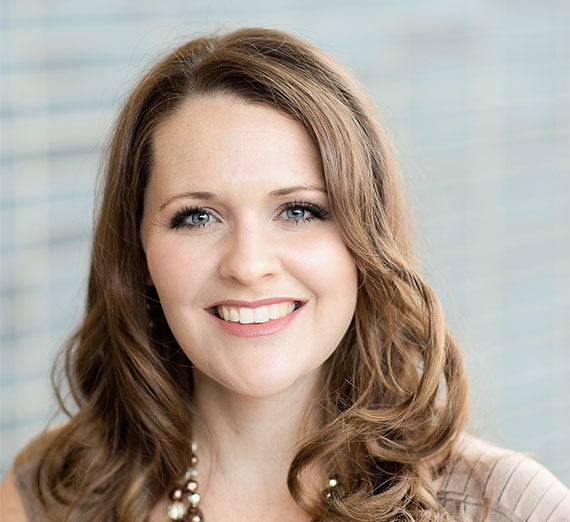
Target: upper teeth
255, 315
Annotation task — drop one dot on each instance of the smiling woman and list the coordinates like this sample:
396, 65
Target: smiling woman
264, 238
253, 301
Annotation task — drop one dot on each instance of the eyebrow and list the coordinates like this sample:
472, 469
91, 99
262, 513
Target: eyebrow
207, 195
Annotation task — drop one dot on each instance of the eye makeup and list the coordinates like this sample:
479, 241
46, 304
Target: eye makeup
193, 217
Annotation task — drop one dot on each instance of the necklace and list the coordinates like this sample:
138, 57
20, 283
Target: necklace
185, 498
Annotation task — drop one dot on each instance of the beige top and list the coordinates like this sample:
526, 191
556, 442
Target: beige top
519, 488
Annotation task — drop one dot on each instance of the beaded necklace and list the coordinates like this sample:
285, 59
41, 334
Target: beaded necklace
185, 498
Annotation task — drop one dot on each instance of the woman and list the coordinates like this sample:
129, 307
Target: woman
258, 344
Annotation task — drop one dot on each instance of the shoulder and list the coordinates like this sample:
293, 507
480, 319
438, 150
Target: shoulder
11, 505
509, 486
19, 490
30, 455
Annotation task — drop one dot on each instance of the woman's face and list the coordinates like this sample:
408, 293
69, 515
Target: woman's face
254, 279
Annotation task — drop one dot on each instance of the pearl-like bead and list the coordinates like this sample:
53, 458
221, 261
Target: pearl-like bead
190, 474
176, 511
194, 498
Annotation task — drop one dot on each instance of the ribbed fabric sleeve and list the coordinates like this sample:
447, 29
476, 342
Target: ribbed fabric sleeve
509, 486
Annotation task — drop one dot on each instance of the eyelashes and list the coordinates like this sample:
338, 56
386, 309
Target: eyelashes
318, 211
182, 218
199, 217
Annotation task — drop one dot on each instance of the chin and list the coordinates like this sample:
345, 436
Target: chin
269, 384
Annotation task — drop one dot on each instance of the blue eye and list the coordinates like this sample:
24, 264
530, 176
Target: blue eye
199, 217
191, 217
298, 212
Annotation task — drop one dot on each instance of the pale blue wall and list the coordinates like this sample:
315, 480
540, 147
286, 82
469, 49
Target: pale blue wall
476, 96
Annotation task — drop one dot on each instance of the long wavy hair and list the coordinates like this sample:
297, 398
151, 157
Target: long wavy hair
394, 393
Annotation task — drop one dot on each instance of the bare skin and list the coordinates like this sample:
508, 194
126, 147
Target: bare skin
251, 393
243, 467
11, 506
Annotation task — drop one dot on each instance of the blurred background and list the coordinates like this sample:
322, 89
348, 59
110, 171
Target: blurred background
475, 95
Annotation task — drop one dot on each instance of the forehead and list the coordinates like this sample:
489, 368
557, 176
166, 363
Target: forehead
224, 140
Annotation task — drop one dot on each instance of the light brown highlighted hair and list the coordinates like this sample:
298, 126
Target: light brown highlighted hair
394, 392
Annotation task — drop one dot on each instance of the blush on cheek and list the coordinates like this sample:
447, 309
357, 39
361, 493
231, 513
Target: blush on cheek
328, 253
174, 271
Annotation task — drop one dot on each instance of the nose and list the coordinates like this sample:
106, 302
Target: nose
249, 255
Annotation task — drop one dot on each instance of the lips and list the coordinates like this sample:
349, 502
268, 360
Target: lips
273, 326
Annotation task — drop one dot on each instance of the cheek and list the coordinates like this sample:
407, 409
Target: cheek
326, 264
176, 271
335, 259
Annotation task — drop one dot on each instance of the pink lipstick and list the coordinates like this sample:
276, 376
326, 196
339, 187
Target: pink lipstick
255, 329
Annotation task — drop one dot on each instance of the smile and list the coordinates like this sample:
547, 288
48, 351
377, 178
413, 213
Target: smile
267, 318
261, 314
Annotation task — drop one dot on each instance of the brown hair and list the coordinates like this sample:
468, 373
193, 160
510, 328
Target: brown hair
394, 394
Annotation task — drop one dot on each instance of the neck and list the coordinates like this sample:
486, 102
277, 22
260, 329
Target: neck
250, 438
